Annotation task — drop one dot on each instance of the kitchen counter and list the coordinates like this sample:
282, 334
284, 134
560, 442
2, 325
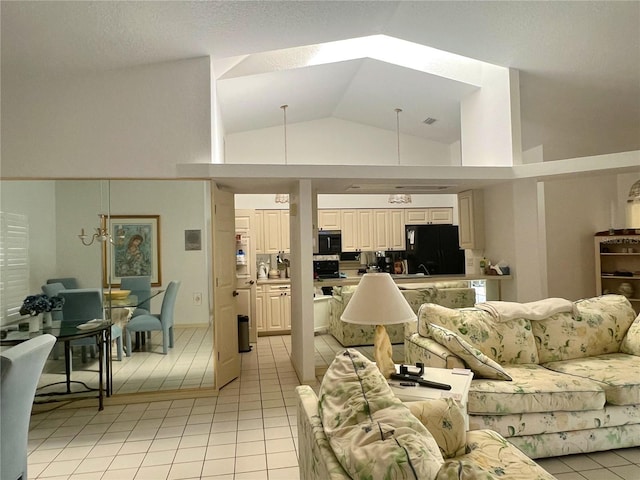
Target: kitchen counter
404, 279
273, 281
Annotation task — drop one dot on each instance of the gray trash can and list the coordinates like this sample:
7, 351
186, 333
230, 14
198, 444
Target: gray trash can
243, 334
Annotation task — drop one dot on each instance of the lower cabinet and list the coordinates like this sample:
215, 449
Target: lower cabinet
273, 308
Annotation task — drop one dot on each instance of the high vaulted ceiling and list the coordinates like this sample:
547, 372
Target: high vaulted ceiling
579, 62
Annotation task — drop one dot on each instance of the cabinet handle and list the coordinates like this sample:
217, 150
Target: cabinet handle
235, 293
251, 282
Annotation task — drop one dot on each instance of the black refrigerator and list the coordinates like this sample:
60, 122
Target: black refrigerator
436, 247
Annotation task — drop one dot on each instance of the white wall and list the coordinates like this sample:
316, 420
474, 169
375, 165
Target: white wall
135, 122
332, 141
575, 209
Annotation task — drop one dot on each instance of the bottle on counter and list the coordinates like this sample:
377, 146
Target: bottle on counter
241, 259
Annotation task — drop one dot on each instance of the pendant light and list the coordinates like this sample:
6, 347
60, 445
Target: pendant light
284, 197
399, 197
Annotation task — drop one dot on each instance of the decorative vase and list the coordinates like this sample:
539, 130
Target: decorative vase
47, 321
625, 289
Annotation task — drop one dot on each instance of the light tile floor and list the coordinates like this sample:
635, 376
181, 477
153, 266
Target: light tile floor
248, 431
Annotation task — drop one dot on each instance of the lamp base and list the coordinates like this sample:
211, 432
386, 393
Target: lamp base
383, 352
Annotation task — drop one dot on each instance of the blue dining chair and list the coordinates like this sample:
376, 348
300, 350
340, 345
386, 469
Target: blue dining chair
20, 370
52, 290
68, 282
162, 321
141, 288
84, 304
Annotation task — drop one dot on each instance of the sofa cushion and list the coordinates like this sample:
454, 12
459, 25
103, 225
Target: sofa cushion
597, 327
507, 343
444, 419
478, 362
491, 457
371, 432
534, 389
631, 342
617, 373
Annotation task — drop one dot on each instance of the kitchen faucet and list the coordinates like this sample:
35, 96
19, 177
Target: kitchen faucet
426, 271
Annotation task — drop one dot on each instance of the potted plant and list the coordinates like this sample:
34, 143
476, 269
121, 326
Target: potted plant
34, 305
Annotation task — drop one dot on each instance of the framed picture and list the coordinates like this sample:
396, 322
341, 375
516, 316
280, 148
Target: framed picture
192, 240
135, 248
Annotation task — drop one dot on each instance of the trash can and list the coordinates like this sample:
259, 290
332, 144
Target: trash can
243, 334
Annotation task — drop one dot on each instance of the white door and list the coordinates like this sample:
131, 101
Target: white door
225, 320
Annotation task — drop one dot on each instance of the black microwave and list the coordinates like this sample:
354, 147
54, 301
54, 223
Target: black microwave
329, 242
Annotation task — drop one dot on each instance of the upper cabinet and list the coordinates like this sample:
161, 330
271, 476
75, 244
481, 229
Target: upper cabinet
329, 220
272, 230
471, 219
388, 230
428, 216
357, 230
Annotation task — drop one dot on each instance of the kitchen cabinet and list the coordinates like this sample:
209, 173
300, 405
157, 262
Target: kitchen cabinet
618, 265
329, 220
275, 304
258, 229
388, 229
471, 219
274, 232
428, 216
357, 230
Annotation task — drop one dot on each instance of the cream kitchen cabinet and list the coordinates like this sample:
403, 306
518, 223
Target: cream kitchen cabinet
329, 220
428, 216
388, 229
471, 219
357, 230
275, 305
273, 230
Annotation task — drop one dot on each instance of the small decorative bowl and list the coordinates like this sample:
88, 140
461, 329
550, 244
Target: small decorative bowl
117, 294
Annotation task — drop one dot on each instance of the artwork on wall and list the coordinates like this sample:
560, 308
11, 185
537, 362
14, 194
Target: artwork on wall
135, 249
192, 240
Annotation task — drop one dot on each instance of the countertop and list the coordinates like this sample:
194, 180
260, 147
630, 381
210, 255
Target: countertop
354, 280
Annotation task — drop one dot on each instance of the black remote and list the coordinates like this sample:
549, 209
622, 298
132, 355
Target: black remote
421, 381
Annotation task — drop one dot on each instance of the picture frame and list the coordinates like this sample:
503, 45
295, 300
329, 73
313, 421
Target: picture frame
192, 240
135, 249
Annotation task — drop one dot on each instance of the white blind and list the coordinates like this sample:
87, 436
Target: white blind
14, 265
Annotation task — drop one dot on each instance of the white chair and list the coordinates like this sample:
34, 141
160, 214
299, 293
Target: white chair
20, 370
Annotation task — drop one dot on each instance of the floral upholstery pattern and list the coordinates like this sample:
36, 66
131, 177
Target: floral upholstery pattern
617, 373
350, 334
510, 342
598, 327
534, 389
631, 342
490, 457
371, 432
426, 350
445, 421
522, 424
478, 362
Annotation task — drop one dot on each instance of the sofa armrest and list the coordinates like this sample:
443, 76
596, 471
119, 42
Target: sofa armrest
445, 420
631, 341
315, 456
426, 350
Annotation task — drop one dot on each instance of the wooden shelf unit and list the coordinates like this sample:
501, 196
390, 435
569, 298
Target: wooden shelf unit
617, 257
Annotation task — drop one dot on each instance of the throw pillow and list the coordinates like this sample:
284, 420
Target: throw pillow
445, 421
477, 361
371, 432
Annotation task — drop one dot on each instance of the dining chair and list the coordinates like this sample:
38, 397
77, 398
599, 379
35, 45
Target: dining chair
20, 370
68, 282
52, 290
84, 304
141, 288
153, 322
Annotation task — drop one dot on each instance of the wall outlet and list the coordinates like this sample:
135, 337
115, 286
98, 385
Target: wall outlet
197, 298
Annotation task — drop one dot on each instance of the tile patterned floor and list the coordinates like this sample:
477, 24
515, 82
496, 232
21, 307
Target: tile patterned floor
248, 431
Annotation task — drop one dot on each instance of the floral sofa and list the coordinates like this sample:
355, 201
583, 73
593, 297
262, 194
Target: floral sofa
450, 294
565, 384
357, 429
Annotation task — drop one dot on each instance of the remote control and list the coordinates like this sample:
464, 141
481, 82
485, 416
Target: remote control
421, 381
407, 384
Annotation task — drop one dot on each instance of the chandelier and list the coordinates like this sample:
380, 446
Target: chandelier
399, 197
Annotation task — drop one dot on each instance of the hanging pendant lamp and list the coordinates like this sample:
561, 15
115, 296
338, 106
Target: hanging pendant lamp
284, 197
399, 197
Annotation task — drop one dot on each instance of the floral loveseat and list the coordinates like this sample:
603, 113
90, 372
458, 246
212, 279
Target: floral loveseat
565, 384
358, 429
449, 294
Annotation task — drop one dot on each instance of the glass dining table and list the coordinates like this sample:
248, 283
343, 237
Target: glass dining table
66, 332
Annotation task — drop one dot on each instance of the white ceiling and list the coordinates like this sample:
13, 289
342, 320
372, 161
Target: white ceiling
579, 62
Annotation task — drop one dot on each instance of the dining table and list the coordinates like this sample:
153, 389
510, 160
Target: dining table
65, 332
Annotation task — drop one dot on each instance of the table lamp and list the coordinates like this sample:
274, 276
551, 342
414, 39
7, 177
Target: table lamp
378, 301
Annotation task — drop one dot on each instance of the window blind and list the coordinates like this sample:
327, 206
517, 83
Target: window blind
14, 265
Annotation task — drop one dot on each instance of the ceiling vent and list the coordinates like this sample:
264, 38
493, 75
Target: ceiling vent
429, 121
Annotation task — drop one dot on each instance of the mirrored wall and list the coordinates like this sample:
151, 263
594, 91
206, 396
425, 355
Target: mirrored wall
56, 212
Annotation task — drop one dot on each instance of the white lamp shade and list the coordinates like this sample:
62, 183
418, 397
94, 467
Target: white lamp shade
377, 301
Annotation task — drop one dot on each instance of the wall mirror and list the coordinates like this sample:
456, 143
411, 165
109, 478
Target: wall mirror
56, 211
